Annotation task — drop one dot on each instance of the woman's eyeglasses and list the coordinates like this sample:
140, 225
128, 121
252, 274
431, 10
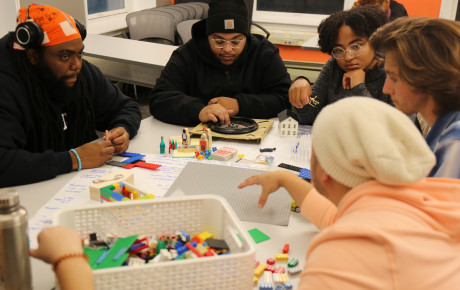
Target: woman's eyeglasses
354, 50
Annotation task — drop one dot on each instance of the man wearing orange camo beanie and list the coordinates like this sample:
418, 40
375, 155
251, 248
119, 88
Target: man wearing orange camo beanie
53, 101
383, 224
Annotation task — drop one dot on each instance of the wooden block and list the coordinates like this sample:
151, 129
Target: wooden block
118, 176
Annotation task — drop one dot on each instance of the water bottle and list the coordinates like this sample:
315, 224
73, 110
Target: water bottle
15, 272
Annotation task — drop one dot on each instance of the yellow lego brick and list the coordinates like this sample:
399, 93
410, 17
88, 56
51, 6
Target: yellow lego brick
205, 235
284, 278
259, 270
281, 257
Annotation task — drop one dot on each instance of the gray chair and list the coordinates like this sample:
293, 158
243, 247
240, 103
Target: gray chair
205, 7
151, 25
178, 16
185, 12
184, 29
191, 10
198, 9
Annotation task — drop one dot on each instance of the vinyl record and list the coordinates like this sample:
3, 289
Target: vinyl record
238, 125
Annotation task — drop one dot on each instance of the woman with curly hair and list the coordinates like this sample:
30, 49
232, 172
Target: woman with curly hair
354, 69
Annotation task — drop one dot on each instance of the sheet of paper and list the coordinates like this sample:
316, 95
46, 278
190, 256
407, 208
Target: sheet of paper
76, 191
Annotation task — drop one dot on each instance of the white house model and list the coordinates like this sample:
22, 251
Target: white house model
287, 125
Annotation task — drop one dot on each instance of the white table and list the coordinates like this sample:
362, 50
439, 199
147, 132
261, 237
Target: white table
298, 234
127, 60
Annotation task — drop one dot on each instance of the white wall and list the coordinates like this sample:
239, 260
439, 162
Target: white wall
8, 16
77, 9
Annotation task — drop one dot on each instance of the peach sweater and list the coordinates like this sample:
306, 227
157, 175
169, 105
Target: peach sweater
386, 237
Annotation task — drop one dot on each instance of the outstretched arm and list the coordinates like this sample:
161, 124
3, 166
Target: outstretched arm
297, 187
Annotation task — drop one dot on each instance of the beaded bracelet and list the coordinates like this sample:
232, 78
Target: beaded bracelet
78, 158
68, 256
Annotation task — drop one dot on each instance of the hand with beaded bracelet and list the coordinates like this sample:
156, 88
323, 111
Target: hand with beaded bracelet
62, 248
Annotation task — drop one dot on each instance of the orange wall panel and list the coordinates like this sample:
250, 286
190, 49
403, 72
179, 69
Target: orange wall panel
415, 8
296, 53
429, 8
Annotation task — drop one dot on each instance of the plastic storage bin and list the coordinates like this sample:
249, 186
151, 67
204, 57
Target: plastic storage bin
193, 214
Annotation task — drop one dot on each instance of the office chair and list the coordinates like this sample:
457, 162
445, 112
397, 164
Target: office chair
267, 34
205, 7
184, 29
191, 10
151, 25
198, 9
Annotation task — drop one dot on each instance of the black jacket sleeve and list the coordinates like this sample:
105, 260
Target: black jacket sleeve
318, 99
20, 162
169, 101
272, 96
112, 108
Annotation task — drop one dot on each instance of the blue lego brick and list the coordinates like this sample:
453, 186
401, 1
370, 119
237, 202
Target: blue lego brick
305, 173
288, 285
266, 286
129, 154
133, 159
117, 196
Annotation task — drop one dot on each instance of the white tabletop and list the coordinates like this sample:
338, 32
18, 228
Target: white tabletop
127, 50
298, 234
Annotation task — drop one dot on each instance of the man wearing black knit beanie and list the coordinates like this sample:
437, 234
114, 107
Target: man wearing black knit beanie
223, 71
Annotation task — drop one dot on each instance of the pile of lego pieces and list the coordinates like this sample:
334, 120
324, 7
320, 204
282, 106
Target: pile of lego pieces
135, 250
270, 277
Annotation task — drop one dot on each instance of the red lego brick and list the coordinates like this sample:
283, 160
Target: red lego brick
148, 165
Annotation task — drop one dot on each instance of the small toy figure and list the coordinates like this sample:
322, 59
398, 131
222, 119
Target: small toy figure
185, 137
209, 137
162, 146
203, 142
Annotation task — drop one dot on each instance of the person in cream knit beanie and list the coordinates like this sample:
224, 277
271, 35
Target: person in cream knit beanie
359, 139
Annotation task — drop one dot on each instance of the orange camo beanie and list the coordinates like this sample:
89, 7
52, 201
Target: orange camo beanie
57, 26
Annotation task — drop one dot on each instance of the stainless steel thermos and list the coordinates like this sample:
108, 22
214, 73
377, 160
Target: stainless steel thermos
15, 272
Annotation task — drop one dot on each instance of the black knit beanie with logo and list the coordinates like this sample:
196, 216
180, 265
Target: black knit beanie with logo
227, 16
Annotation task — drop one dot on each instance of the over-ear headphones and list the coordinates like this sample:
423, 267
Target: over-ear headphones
30, 35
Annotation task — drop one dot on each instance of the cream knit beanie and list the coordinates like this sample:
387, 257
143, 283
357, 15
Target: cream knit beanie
358, 139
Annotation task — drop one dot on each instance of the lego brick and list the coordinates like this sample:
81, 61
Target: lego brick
129, 154
290, 167
115, 163
129, 166
147, 165
305, 174
258, 236
133, 159
217, 244
281, 257
118, 176
294, 270
259, 270
293, 262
